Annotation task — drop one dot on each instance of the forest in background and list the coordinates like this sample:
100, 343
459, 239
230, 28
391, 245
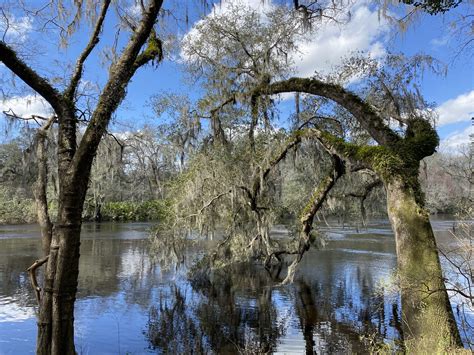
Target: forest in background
134, 175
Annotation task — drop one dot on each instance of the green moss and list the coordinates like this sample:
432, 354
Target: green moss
401, 159
420, 140
154, 47
385, 162
314, 197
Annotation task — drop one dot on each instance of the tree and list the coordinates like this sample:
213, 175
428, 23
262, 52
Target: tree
396, 161
56, 311
394, 155
248, 48
184, 128
434, 7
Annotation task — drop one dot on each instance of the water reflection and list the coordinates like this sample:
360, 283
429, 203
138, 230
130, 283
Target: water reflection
237, 311
129, 303
233, 311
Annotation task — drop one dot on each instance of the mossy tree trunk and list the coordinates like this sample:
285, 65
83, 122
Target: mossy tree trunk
427, 317
314, 204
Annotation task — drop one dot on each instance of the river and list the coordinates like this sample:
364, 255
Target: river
128, 303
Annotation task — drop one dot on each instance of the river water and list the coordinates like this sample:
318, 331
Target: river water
128, 303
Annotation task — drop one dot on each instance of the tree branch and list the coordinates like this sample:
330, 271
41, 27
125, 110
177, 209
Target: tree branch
93, 41
29, 76
292, 142
40, 187
215, 198
32, 271
114, 91
307, 216
361, 110
153, 51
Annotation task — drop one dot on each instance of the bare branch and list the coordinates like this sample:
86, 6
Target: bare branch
94, 40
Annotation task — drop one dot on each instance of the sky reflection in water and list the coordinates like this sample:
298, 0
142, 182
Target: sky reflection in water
128, 303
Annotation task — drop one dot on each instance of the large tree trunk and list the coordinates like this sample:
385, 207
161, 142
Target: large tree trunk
56, 313
427, 317
56, 316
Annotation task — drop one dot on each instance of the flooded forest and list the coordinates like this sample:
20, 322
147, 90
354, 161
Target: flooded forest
236, 177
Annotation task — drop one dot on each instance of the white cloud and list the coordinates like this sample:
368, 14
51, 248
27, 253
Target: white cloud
458, 109
222, 8
26, 106
458, 139
440, 41
15, 29
332, 42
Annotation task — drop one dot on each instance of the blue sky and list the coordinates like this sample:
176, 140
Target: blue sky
367, 31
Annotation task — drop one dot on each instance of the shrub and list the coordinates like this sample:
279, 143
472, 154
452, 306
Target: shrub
152, 210
16, 209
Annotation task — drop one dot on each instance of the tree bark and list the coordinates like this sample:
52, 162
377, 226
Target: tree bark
307, 217
56, 316
427, 318
40, 187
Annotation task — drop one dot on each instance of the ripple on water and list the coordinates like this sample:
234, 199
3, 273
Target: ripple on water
10, 311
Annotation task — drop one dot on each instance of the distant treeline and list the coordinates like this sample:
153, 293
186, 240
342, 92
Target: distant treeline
135, 178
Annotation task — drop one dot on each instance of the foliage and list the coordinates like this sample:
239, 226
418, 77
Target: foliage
15, 208
153, 210
434, 7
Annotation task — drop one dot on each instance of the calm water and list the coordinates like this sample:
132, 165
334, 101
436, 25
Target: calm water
129, 304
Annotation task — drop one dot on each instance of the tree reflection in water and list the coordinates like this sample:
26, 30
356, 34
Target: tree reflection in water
229, 311
236, 310
333, 301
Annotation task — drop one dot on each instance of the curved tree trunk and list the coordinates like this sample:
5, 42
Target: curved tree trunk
427, 318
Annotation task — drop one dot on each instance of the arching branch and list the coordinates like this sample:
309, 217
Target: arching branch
361, 110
